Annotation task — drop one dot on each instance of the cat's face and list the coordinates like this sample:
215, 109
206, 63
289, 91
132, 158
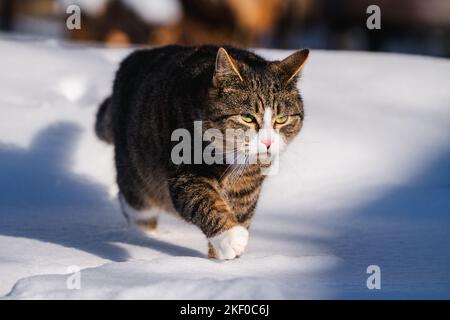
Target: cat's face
262, 107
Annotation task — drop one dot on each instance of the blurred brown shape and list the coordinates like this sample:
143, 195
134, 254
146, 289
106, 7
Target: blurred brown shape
404, 13
117, 24
237, 22
230, 21
413, 26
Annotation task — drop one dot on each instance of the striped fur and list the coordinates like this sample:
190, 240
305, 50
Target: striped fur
157, 91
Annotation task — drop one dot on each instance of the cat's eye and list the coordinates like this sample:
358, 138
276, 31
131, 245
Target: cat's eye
247, 118
281, 119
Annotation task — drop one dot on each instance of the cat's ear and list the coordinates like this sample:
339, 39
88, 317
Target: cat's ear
226, 67
292, 65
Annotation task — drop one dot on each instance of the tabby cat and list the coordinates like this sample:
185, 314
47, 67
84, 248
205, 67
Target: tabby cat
157, 91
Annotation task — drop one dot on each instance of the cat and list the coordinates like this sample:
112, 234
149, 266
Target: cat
157, 91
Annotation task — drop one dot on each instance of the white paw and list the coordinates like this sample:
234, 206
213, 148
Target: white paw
231, 243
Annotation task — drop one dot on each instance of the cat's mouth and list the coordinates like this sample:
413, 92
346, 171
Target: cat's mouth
265, 156
264, 159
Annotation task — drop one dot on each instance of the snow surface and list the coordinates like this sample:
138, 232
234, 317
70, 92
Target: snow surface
366, 183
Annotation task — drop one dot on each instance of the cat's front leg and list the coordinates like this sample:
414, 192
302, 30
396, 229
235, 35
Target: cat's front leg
198, 200
229, 244
211, 248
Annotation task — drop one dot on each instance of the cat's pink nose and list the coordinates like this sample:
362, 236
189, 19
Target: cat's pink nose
267, 142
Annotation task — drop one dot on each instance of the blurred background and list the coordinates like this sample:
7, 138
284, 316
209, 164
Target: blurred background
407, 26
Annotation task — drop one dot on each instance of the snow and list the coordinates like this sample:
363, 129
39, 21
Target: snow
366, 183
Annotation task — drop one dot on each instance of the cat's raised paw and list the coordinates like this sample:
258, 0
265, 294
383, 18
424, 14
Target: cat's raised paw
230, 244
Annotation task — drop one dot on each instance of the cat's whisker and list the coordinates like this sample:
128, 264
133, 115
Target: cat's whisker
240, 167
233, 168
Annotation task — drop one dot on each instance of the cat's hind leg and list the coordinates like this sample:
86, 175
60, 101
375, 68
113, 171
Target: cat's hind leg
211, 251
144, 219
